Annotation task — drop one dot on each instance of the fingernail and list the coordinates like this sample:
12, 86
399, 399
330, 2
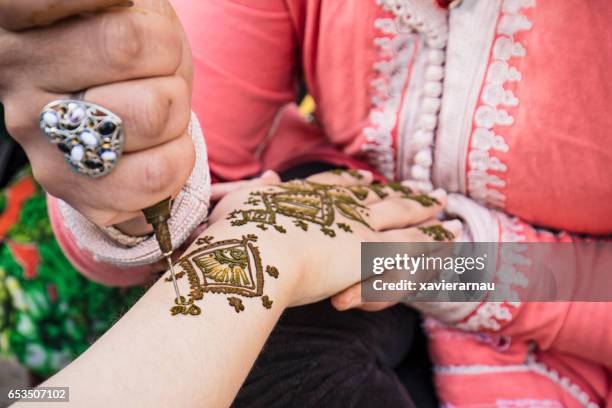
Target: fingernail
438, 194
353, 302
345, 302
267, 173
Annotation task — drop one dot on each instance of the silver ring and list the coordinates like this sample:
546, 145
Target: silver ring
90, 136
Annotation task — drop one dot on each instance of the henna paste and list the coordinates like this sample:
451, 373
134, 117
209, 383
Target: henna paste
423, 199
266, 302
236, 303
351, 172
438, 233
227, 267
272, 271
306, 203
344, 227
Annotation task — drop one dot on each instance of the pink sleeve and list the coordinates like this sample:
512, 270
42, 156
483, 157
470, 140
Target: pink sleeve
578, 328
245, 57
85, 262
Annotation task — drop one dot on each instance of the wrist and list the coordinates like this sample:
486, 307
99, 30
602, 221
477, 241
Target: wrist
262, 269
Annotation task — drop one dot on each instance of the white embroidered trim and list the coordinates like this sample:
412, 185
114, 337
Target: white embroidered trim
531, 365
490, 315
396, 53
482, 184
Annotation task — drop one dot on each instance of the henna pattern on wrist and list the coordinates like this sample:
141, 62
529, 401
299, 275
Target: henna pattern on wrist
306, 203
438, 233
230, 267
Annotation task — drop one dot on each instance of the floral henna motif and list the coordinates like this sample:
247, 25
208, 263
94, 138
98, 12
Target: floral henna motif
307, 203
230, 267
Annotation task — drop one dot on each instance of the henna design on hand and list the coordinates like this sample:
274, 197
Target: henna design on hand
406, 192
438, 233
232, 266
307, 203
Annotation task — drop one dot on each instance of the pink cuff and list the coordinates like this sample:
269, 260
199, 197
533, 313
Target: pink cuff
84, 261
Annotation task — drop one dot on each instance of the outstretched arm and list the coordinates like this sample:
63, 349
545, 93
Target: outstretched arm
268, 248
150, 358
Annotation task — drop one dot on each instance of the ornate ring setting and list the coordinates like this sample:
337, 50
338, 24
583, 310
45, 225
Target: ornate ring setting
90, 136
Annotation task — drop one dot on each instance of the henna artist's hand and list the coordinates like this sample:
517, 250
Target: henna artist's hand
134, 61
322, 226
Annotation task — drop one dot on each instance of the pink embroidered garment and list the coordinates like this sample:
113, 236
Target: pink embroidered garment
502, 102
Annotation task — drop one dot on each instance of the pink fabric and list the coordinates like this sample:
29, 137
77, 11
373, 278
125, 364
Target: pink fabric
85, 263
559, 145
536, 350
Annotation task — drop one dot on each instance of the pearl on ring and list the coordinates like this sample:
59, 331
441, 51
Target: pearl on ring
89, 139
77, 153
89, 136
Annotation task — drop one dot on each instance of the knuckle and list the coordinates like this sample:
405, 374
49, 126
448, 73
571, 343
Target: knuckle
157, 173
122, 39
50, 182
126, 39
171, 45
180, 106
9, 14
17, 124
152, 111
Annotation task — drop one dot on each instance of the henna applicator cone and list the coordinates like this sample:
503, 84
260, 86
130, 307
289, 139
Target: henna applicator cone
158, 215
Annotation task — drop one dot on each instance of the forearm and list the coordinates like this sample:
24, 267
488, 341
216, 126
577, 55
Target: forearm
150, 358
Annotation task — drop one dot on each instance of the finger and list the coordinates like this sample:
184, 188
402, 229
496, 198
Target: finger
20, 14
105, 48
428, 232
139, 180
154, 111
350, 298
342, 177
376, 192
219, 190
399, 212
